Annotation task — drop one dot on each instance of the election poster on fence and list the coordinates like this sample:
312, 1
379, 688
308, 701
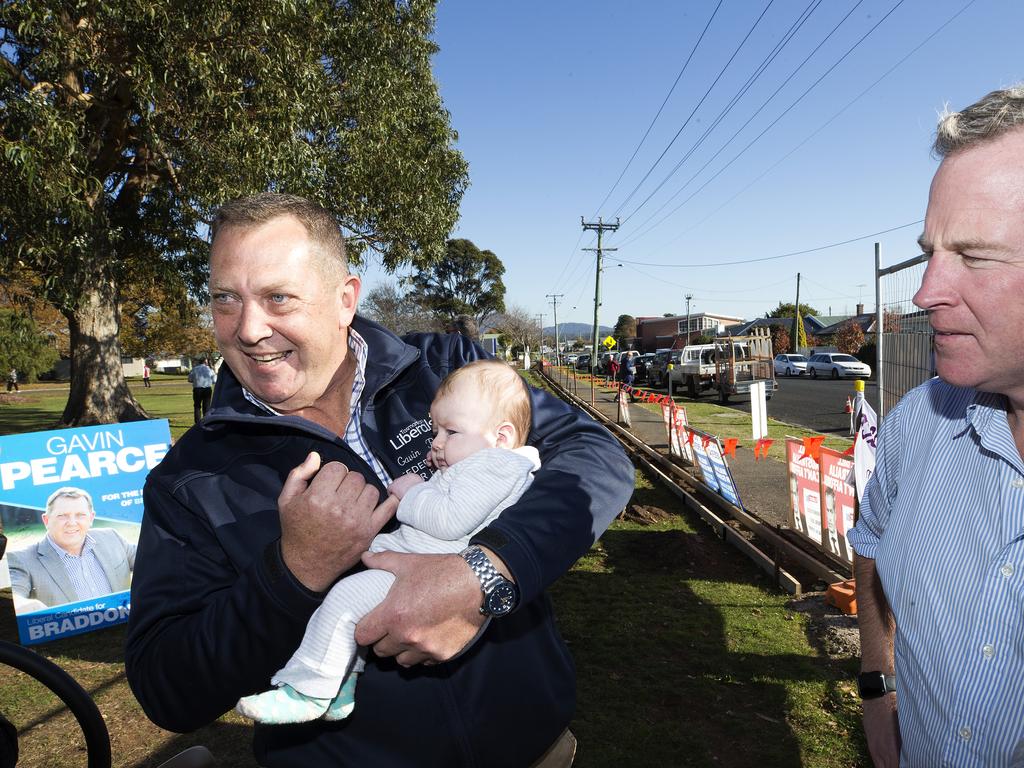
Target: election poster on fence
71, 505
839, 501
674, 417
707, 471
713, 467
804, 491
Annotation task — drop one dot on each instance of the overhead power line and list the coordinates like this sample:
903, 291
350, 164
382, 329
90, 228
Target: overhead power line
771, 258
771, 125
661, 108
760, 70
694, 110
810, 136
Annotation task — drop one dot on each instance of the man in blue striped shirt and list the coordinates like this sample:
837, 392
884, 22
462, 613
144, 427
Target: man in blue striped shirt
940, 541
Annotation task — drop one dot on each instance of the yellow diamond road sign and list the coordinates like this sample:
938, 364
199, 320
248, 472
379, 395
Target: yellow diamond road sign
609, 342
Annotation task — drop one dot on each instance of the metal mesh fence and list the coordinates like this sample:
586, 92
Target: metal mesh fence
905, 345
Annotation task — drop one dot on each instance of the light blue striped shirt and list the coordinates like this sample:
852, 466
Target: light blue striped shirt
943, 518
84, 571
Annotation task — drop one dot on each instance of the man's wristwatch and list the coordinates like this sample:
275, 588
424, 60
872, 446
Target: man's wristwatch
500, 594
874, 685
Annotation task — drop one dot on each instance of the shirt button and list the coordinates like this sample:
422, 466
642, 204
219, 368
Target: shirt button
1007, 570
1017, 482
965, 733
988, 651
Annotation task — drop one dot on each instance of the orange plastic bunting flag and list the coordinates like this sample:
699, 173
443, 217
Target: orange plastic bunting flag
761, 448
812, 447
729, 446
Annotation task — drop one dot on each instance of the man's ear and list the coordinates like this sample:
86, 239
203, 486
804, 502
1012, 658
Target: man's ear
349, 298
506, 435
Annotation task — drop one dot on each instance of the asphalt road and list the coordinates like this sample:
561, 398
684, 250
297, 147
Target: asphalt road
816, 404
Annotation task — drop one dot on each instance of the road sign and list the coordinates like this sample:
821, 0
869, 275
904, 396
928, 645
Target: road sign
609, 342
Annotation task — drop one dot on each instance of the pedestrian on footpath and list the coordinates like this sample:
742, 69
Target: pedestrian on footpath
629, 373
12, 380
202, 378
940, 555
145, 376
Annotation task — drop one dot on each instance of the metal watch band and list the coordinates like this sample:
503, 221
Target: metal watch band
482, 567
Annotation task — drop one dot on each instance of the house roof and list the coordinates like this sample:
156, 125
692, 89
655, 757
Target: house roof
865, 321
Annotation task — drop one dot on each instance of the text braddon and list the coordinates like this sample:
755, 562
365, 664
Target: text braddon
81, 457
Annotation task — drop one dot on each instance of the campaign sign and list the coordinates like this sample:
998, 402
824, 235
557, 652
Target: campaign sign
71, 504
707, 471
804, 491
679, 432
839, 501
726, 485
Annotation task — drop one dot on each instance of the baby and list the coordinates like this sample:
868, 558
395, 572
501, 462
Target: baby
481, 418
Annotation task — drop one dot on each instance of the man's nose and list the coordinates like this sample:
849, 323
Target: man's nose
938, 286
252, 324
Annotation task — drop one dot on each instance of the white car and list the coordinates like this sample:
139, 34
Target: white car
837, 365
790, 365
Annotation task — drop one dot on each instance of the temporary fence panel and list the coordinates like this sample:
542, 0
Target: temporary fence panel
905, 357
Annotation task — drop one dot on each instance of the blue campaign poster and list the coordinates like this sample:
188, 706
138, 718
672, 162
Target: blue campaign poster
707, 471
726, 485
71, 504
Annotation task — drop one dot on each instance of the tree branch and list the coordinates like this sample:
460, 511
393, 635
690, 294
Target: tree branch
17, 74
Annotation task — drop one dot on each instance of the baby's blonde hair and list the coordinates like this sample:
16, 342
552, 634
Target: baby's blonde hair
505, 391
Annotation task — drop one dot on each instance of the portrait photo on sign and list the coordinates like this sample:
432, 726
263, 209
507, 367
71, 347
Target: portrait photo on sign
70, 505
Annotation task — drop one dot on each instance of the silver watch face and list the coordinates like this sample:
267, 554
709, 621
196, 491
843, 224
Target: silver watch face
502, 599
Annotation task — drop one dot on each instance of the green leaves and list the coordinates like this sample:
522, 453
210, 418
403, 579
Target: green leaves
465, 281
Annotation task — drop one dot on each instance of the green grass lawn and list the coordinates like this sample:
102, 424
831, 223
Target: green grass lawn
686, 656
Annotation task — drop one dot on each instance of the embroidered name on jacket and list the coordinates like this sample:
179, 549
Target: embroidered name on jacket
411, 445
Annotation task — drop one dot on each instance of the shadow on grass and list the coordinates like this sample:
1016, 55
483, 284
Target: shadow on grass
669, 676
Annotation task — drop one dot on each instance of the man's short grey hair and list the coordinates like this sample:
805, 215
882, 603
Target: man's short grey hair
320, 224
988, 118
68, 493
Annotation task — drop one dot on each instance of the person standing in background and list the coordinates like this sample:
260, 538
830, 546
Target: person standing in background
202, 379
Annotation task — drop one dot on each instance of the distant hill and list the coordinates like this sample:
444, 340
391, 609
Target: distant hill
577, 330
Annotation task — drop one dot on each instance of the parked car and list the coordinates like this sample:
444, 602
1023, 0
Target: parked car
583, 363
657, 371
837, 365
603, 366
790, 365
642, 365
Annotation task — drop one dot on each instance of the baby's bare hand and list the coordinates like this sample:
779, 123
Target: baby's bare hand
401, 485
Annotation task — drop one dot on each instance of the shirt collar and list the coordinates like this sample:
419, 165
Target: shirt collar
87, 546
358, 347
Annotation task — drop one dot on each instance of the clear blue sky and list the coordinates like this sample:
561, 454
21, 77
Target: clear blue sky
550, 100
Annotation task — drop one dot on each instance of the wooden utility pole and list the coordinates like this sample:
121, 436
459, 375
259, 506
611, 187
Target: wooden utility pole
599, 227
796, 318
554, 304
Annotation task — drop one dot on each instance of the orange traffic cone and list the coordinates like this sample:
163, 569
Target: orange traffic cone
849, 405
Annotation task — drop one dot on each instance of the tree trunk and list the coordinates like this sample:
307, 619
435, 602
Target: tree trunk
99, 393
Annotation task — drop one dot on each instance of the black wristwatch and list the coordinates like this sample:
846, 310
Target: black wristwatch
874, 685
500, 595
